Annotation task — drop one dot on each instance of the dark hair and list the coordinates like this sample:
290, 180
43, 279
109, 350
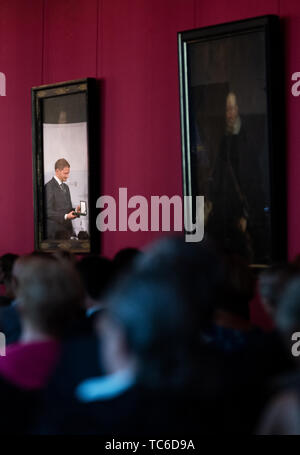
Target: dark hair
61, 164
239, 286
50, 293
96, 274
7, 261
124, 260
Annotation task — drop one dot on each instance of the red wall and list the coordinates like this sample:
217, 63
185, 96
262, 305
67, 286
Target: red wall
131, 45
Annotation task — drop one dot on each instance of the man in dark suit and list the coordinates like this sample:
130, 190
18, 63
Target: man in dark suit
236, 194
59, 210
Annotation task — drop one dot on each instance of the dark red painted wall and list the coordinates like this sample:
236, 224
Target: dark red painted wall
131, 45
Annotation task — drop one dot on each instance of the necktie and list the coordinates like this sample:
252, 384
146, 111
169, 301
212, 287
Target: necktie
63, 187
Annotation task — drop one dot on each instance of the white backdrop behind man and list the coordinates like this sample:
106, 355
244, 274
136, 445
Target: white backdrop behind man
69, 141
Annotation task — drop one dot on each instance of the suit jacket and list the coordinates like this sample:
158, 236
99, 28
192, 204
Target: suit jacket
58, 204
237, 191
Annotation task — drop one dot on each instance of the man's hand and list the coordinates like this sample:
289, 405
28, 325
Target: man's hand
70, 215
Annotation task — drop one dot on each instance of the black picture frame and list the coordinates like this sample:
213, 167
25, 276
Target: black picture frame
231, 100
65, 124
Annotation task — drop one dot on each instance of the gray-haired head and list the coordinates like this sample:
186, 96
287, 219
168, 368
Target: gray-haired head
162, 306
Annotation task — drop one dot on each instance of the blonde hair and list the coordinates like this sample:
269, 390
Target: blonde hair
49, 292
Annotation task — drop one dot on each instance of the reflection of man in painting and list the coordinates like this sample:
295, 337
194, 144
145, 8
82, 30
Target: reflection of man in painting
59, 211
236, 195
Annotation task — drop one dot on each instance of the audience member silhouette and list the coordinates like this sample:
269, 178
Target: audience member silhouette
282, 415
138, 345
158, 370
96, 273
80, 352
50, 300
124, 260
232, 328
6, 265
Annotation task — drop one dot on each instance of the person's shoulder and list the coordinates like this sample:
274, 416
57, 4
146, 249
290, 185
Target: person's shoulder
51, 183
282, 415
8, 311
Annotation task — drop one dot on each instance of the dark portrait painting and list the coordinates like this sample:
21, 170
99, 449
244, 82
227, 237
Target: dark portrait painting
228, 135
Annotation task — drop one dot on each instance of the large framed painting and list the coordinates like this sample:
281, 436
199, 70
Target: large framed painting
65, 151
232, 127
